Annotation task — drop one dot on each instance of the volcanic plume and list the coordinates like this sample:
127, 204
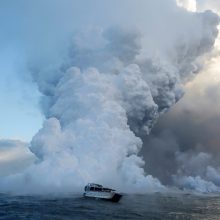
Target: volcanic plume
107, 92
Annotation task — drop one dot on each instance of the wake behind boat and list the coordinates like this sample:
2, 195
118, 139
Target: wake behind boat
97, 191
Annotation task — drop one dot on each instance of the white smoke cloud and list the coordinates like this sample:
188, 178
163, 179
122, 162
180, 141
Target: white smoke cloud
213, 175
197, 173
210, 4
108, 90
190, 5
196, 184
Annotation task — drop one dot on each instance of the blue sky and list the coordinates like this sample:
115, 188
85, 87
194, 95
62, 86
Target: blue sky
20, 117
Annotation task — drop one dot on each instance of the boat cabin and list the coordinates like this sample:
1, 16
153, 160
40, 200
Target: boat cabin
97, 188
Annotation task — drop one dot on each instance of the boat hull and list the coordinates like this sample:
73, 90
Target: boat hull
112, 197
116, 197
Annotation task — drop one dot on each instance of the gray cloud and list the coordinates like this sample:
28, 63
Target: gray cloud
186, 140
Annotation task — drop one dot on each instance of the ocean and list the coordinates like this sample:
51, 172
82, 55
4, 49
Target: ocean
155, 206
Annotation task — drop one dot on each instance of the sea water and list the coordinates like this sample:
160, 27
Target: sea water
150, 206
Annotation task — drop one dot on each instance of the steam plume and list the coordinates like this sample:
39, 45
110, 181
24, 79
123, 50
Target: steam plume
107, 92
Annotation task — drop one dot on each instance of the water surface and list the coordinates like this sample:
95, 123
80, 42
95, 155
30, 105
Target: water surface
151, 206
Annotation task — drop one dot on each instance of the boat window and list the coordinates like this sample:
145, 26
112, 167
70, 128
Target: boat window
106, 189
92, 189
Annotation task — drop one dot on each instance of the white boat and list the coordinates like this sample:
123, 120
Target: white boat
97, 191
